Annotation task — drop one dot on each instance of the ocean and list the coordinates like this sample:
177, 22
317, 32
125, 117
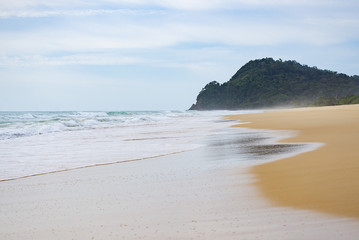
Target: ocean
34, 143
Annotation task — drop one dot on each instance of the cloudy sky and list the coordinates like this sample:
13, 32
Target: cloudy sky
158, 54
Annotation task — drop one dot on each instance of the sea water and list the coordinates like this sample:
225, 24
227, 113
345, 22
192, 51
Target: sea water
40, 142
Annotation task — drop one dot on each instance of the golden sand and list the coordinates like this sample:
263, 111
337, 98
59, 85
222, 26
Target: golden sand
326, 179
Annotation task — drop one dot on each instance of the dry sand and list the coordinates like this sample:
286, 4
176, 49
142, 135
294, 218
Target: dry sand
326, 179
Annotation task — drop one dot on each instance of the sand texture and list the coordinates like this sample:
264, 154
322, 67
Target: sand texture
326, 179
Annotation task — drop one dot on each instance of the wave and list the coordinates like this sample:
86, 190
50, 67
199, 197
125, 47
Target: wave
22, 124
33, 143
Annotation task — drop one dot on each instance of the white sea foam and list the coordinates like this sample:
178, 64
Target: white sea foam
20, 124
40, 142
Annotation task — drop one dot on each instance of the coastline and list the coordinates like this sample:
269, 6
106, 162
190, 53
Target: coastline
206, 193
325, 180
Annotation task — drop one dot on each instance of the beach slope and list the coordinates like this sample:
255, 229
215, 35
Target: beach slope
326, 179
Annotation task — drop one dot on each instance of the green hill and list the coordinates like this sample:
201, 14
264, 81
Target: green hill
268, 83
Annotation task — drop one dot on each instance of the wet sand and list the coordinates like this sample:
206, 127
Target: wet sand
325, 180
206, 193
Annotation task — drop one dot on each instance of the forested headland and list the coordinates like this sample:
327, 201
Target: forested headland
268, 83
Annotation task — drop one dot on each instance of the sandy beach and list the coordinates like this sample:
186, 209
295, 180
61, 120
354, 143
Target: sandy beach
326, 179
208, 193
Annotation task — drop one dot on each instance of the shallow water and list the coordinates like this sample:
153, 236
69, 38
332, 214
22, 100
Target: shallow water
97, 138
40, 142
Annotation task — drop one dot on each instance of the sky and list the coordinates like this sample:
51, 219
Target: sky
112, 55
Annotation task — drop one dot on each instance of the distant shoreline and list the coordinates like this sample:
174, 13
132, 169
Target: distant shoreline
326, 179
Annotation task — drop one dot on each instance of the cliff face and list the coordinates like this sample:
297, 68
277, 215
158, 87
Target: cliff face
267, 83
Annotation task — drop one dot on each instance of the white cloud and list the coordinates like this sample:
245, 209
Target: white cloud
187, 4
77, 59
105, 36
86, 38
231, 4
78, 13
102, 32
41, 8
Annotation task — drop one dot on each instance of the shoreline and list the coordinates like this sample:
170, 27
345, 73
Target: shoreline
324, 180
205, 193
87, 166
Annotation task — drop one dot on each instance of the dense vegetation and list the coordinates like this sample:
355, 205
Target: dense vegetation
267, 83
